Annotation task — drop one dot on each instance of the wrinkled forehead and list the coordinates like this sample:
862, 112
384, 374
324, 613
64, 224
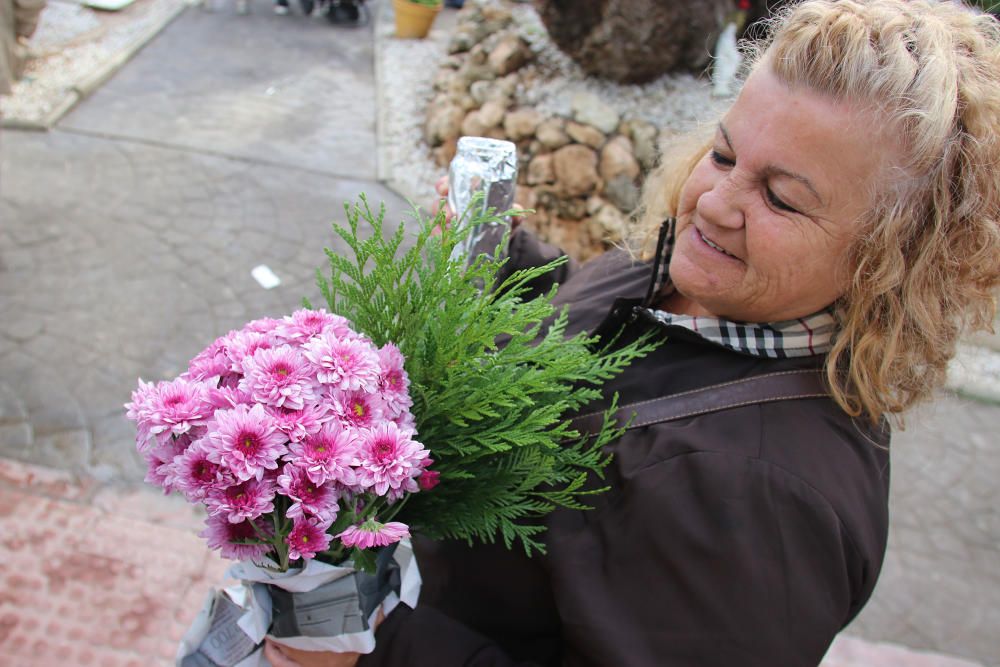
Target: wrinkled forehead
840, 145
868, 116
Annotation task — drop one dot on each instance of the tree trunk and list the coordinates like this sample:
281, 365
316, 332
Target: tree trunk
635, 41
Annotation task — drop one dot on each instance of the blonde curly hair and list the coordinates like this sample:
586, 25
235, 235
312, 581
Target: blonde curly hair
926, 262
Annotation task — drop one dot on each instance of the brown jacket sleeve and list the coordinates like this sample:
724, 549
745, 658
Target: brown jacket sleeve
526, 251
426, 637
703, 559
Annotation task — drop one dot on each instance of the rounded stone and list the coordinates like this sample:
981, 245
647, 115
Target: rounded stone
609, 224
491, 113
622, 192
481, 90
473, 125
617, 159
576, 170
552, 133
508, 55
541, 170
521, 123
645, 144
585, 134
443, 123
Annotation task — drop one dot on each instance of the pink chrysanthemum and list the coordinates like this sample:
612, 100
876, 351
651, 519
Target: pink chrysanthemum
247, 500
303, 324
158, 473
242, 344
319, 500
138, 408
308, 538
280, 377
263, 325
371, 533
247, 441
356, 409
166, 450
209, 364
195, 475
160, 458
394, 384
344, 363
297, 425
389, 458
168, 408
328, 455
223, 398
406, 422
229, 538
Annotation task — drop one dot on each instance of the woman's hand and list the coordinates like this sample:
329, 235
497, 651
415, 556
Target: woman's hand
285, 656
441, 187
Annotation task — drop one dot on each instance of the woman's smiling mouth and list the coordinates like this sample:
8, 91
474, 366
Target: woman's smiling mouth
713, 245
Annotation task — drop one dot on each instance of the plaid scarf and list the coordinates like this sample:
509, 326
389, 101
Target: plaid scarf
804, 337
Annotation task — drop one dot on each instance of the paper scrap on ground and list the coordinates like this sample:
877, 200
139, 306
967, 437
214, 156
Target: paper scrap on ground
107, 5
265, 277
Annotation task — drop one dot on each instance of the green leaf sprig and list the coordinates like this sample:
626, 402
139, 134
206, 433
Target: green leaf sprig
493, 376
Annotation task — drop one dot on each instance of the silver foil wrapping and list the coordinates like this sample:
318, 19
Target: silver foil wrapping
487, 166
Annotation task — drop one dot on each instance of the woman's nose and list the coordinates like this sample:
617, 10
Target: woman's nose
722, 204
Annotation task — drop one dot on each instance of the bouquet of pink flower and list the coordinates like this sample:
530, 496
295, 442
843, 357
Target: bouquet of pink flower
296, 436
282, 430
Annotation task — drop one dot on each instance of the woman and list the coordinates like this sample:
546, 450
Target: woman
843, 216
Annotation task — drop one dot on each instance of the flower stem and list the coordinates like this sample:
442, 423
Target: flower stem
394, 510
278, 541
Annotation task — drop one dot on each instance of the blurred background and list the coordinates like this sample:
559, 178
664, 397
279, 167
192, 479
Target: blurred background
170, 169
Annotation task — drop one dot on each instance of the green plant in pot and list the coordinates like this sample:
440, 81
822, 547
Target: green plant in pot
414, 17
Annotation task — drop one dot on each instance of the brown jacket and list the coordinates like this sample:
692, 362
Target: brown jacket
18, 18
745, 537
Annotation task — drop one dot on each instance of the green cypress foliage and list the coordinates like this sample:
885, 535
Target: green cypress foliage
493, 414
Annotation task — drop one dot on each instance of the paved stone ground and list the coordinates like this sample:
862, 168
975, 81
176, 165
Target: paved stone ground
276, 90
95, 576
940, 585
127, 236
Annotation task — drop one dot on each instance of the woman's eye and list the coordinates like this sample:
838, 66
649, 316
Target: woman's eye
721, 160
777, 203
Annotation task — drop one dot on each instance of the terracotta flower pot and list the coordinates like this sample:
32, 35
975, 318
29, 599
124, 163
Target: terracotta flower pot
412, 19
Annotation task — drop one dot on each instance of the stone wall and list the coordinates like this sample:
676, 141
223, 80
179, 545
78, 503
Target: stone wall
580, 173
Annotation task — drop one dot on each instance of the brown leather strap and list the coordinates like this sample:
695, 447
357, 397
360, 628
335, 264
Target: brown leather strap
767, 388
